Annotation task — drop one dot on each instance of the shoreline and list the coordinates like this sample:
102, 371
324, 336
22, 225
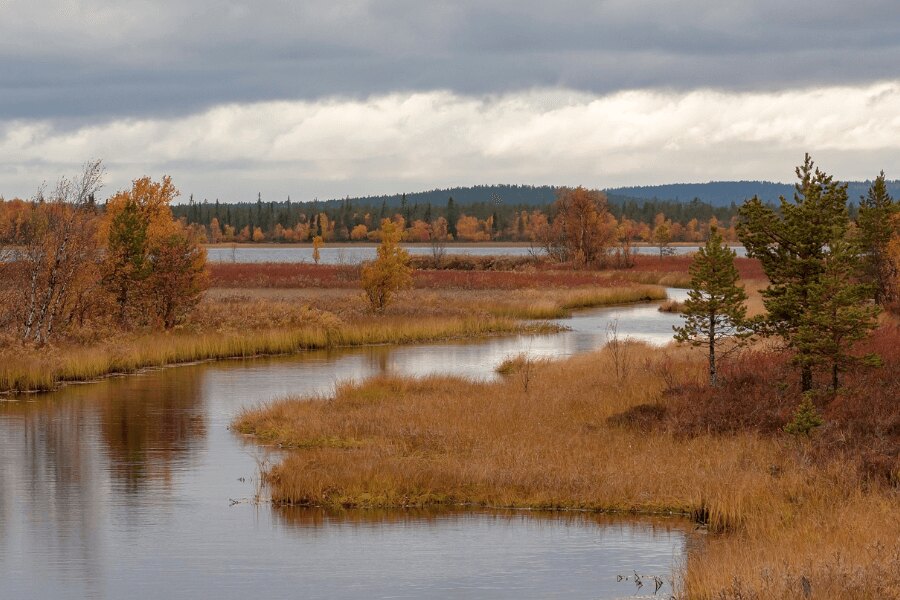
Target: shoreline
145, 353
449, 246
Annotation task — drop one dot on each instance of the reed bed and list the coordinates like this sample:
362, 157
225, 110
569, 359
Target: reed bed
781, 521
43, 370
553, 304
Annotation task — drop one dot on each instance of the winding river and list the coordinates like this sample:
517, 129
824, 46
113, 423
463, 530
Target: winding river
133, 487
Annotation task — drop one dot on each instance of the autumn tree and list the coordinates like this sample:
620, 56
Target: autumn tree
359, 232
132, 216
155, 266
796, 246
876, 225
580, 226
437, 237
389, 272
661, 236
714, 312
177, 275
317, 246
58, 247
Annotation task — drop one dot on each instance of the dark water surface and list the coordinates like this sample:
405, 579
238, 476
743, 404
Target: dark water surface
123, 489
353, 255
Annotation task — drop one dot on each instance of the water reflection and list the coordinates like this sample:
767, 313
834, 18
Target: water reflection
122, 488
501, 554
149, 431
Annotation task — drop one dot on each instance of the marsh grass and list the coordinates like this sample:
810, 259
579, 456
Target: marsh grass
672, 306
559, 304
779, 517
39, 370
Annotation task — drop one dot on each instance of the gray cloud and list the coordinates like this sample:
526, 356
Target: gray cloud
94, 59
385, 144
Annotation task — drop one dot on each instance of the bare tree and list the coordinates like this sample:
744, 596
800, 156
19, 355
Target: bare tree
437, 236
59, 244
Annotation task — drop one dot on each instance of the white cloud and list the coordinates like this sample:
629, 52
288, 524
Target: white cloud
415, 141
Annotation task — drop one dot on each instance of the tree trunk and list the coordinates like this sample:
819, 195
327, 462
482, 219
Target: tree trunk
834, 376
713, 376
805, 378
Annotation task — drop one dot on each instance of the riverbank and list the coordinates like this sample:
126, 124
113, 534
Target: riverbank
45, 370
615, 431
251, 321
449, 246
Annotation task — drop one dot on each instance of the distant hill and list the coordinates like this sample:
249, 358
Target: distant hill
715, 193
723, 193
509, 195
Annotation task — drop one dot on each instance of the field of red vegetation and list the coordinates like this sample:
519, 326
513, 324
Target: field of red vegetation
749, 268
477, 273
301, 275
761, 391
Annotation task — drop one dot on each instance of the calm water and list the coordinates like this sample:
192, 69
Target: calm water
355, 255
123, 489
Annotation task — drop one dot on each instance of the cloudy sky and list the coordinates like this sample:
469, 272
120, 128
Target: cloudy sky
330, 98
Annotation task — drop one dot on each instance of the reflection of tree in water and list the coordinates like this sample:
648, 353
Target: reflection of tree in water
150, 424
378, 358
56, 448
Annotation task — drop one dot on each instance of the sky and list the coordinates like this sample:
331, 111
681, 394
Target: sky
333, 98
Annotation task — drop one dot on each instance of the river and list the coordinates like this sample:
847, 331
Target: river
134, 487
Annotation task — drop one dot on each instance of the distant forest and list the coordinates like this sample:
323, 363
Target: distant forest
498, 208
502, 205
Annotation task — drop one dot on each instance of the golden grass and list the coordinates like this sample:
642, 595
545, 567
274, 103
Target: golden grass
42, 370
559, 304
672, 306
416, 442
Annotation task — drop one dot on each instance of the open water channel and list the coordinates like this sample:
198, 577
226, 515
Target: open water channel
134, 487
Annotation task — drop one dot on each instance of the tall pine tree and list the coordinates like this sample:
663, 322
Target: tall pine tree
840, 311
876, 226
795, 246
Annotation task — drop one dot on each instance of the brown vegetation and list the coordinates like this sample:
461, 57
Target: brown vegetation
579, 436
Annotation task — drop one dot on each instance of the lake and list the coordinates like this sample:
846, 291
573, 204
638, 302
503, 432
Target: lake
353, 255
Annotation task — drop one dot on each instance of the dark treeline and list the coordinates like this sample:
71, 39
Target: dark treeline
503, 205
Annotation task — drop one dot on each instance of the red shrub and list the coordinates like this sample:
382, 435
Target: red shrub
760, 392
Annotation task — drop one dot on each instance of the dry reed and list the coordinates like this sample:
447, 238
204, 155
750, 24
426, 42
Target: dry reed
784, 519
42, 370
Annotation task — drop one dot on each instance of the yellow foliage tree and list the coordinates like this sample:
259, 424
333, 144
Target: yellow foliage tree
317, 245
154, 266
389, 272
359, 232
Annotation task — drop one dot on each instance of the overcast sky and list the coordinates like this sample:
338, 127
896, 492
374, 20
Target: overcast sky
330, 98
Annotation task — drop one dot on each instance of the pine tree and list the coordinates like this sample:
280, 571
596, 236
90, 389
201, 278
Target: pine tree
794, 246
452, 217
840, 312
714, 310
876, 226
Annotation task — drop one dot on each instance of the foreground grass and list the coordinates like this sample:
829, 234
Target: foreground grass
551, 440
44, 370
